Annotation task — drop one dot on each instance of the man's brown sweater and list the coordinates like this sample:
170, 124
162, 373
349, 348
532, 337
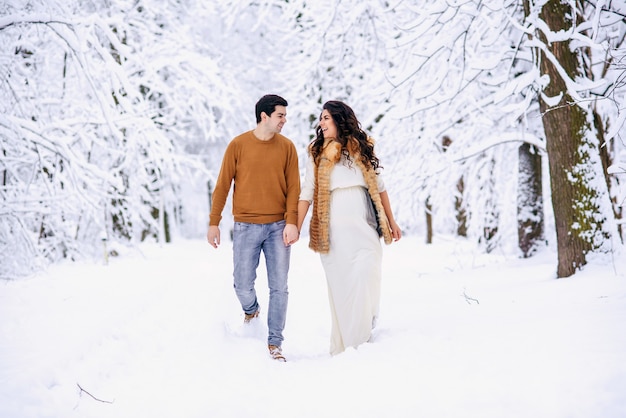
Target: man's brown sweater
266, 180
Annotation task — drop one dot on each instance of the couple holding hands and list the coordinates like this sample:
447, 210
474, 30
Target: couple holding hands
351, 212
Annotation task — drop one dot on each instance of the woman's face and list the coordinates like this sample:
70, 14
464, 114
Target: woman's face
329, 130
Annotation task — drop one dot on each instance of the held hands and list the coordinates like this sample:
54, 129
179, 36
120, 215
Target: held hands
213, 236
290, 234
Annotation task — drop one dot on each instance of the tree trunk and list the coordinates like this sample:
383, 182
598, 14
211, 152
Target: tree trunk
491, 214
606, 156
461, 214
529, 200
4, 172
571, 150
429, 222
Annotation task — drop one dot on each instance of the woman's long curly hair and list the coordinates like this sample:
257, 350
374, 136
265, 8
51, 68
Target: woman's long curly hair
352, 138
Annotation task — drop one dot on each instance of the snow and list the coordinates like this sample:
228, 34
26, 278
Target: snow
159, 333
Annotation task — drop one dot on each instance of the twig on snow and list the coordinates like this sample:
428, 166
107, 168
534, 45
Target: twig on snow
469, 300
83, 390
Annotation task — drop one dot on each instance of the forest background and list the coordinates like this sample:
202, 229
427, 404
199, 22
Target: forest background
499, 121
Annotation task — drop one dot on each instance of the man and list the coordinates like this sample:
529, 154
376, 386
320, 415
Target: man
264, 167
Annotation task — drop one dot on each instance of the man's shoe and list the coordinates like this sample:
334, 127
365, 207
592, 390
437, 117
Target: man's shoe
276, 353
249, 317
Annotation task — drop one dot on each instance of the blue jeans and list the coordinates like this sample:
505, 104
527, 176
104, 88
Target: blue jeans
248, 242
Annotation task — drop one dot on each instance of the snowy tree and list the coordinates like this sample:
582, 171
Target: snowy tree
530, 200
469, 70
456, 73
115, 114
340, 54
106, 112
561, 33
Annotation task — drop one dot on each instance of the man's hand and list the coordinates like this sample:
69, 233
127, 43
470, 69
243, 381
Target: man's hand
290, 234
213, 236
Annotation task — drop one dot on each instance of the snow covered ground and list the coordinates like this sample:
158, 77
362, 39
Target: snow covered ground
160, 334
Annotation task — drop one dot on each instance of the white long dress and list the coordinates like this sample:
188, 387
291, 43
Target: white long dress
353, 264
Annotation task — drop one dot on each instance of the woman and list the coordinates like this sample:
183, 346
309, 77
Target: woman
349, 205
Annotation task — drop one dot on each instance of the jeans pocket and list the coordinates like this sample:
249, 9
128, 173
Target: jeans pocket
241, 226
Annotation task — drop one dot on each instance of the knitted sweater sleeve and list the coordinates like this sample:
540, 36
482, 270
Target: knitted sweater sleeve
223, 184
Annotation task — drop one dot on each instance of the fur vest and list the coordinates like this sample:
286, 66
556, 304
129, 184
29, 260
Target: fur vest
319, 240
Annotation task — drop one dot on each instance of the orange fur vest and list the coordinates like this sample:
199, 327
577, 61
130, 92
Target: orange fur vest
319, 240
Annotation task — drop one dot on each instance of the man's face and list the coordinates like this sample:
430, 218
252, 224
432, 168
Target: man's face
276, 120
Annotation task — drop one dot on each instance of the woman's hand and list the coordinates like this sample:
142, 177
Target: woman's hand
396, 232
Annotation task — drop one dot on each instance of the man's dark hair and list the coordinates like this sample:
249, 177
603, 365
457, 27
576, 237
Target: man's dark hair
268, 105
